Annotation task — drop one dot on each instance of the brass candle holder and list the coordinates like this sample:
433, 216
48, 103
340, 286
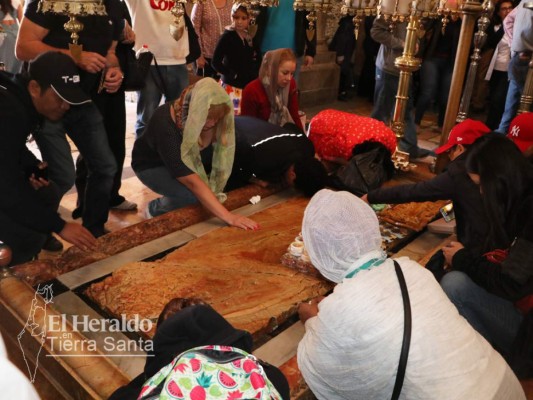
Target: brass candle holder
73, 9
396, 11
479, 40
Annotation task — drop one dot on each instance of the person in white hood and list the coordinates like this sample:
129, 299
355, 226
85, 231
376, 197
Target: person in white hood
351, 347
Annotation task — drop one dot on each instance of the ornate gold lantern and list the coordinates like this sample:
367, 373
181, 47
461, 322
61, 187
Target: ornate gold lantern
359, 9
312, 6
73, 9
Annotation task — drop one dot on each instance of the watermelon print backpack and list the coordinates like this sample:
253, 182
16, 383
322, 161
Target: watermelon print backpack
211, 372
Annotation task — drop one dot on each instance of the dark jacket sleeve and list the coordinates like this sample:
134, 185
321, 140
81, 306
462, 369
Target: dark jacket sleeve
439, 188
513, 278
19, 200
221, 49
302, 24
343, 42
493, 37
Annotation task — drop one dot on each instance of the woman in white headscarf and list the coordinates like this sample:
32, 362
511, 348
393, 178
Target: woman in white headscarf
186, 153
353, 338
273, 96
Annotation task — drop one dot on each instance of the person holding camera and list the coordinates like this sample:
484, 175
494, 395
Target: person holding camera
29, 201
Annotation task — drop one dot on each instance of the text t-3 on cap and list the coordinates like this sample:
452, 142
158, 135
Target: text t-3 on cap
60, 72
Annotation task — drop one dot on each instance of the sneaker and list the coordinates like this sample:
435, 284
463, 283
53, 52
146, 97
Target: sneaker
52, 244
126, 205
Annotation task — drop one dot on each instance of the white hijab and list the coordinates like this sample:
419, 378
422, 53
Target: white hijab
341, 234
351, 349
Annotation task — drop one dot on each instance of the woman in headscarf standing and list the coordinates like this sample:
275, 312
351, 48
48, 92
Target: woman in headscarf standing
273, 96
353, 339
186, 153
235, 56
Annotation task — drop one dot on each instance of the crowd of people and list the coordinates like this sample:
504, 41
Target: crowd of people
240, 123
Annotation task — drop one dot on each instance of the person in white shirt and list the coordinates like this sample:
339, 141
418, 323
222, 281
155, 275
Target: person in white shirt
353, 337
151, 21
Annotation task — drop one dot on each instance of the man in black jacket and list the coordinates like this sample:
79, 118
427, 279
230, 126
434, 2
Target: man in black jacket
270, 154
453, 184
28, 205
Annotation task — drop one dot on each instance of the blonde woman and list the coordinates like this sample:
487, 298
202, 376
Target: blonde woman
186, 153
273, 96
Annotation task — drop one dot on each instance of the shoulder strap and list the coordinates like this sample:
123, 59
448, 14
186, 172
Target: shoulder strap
400, 375
161, 85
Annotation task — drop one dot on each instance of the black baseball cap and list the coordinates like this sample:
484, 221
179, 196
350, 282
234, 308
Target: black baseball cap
60, 72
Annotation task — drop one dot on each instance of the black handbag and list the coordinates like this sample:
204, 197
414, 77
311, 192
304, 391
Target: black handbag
365, 171
136, 69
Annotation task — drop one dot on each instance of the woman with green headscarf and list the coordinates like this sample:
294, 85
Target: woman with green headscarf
186, 152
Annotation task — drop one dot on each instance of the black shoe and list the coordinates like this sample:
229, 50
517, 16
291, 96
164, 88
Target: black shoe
52, 244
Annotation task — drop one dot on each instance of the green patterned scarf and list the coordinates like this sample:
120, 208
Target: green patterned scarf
195, 102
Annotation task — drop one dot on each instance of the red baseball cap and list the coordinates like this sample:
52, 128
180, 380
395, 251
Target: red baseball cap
465, 132
521, 131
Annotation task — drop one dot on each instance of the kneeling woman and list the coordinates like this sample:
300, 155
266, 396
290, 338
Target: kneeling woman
273, 97
186, 153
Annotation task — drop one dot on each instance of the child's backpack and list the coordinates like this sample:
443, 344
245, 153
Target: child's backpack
211, 372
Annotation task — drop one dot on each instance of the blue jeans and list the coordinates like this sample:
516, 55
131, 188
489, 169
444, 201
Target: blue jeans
175, 195
517, 72
175, 79
495, 318
435, 81
384, 103
84, 125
